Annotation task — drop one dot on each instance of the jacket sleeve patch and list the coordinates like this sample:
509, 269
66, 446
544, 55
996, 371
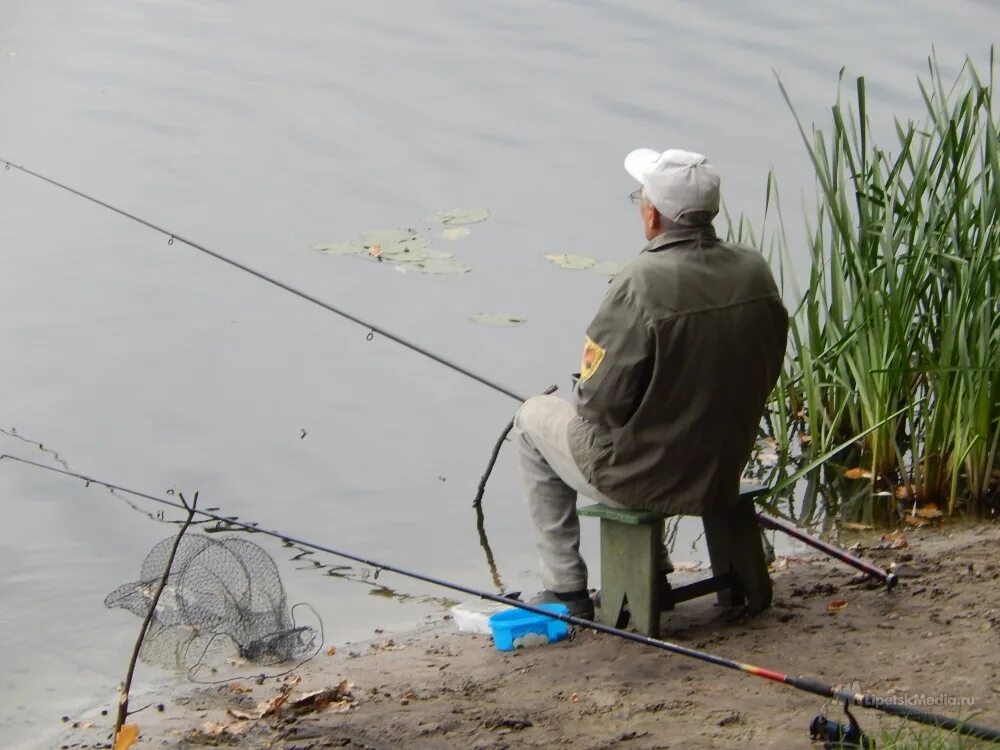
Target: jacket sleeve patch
593, 355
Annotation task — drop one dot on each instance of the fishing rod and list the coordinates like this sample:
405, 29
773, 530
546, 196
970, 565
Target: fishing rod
372, 328
891, 706
174, 237
770, 522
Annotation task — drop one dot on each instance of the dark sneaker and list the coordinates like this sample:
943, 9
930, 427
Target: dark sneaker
578, 605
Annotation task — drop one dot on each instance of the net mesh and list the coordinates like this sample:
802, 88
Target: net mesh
223, 597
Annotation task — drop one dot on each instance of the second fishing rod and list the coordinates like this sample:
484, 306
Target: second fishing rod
800, 682
174, 237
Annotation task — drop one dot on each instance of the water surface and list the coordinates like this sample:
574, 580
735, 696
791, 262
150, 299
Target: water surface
260, 129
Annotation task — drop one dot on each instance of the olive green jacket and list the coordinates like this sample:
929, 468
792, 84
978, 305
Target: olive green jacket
677, 365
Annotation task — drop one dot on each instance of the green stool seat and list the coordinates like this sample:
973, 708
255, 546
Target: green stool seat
632, 587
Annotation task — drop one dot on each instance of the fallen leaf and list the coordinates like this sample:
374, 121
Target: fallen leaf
272, 705
332, 651
319, 700
929, 511
895, 540
856, 526
127, 736
212, 729
375, 251
236, 687
237, 714
915, 521
857, 473
836, 605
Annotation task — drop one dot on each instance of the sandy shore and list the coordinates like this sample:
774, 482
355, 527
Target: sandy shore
936, 636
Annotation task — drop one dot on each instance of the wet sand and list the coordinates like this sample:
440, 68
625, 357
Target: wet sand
936, 636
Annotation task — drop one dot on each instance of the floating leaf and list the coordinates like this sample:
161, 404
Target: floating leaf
836, 605
433, 265
407, 251
497, 319
342, 248
571, 262
462, 215
455, 233
426, 253
608, 267
388, 236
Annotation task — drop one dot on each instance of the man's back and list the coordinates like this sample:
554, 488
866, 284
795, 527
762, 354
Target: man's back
687, 344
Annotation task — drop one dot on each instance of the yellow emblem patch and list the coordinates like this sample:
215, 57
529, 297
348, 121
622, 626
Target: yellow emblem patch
593, 355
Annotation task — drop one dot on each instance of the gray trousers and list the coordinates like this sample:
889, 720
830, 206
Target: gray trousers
552, 481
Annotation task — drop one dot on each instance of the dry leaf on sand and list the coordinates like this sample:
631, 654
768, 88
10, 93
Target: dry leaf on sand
127, 736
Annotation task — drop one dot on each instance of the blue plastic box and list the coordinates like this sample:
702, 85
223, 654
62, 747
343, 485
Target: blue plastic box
516, 628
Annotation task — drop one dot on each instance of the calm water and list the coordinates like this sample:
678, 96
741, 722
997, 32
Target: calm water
260, 128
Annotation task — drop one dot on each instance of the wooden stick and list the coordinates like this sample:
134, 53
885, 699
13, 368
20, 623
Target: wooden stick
123, 694
496, 453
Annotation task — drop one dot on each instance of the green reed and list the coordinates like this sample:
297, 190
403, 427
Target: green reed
900, 313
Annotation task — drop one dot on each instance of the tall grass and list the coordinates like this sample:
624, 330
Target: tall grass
901, 307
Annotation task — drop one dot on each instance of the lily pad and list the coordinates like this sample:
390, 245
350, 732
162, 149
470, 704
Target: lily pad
455, 216
497, 319
433, 265
455, 233
341, 248
608, 267
417, 247
388, 236
571, 262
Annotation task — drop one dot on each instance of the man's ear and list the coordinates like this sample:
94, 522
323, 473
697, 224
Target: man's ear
652, 220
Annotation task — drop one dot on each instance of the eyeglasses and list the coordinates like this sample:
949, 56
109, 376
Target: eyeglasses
635, 196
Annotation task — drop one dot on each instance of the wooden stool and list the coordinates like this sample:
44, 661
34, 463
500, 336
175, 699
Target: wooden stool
630, 553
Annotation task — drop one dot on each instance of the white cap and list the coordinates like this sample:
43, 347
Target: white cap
676, 182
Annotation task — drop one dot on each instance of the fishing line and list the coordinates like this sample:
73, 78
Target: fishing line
806, 684
173, 237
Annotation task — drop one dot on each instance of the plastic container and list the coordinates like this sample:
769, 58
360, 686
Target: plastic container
518, 628
474, 617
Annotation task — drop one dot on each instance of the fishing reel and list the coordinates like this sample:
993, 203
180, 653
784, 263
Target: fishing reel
838, 735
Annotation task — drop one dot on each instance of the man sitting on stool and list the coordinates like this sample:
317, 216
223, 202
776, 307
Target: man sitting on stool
677, 365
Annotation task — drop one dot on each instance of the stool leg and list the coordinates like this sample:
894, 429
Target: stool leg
629, 570
734, 547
